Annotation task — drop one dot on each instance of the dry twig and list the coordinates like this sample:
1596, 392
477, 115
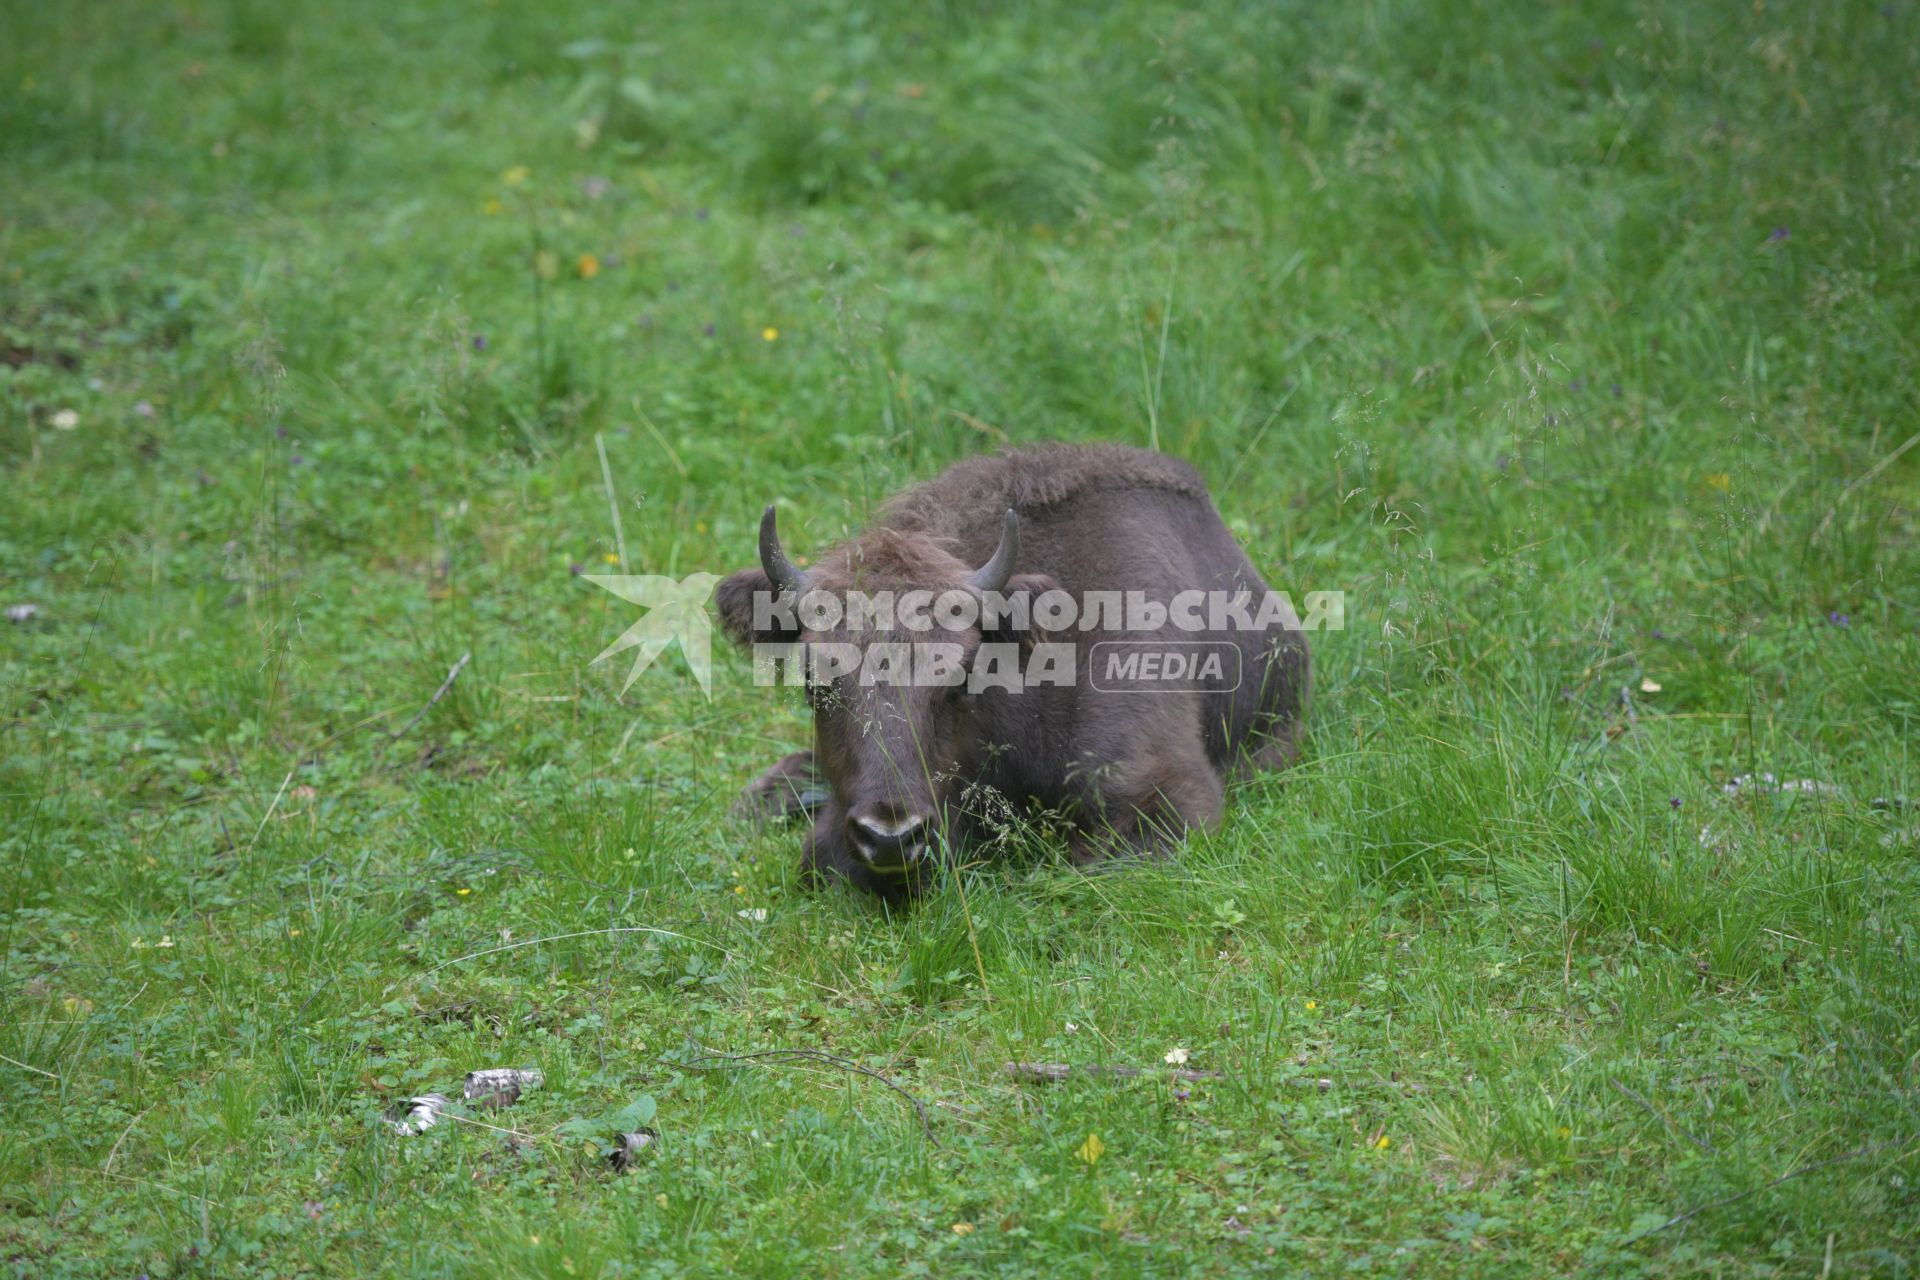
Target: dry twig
1055, 1072
1658, 1114
1738, 1196
441, 692
790, 1057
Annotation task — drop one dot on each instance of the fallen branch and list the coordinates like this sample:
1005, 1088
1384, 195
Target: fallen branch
791, 1057
1658, 1114
27, 1066
107, 1167
420, 1114
1054, 1072
441, 692
499, 1086
491, 1089
1872, 473
629, 1147
562, 937
1738, 1196
1767, 784
482, 1124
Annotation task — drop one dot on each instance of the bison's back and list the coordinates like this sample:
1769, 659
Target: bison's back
964, 503
1095, 517
1108, 522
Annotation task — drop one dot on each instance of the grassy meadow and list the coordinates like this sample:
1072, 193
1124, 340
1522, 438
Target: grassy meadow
1576, 344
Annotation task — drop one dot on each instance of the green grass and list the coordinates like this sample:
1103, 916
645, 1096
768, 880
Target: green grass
1476, 312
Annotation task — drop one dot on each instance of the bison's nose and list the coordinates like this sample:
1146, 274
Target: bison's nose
885, 835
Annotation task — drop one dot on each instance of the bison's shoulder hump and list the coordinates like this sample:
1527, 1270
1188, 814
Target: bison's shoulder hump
1045, 475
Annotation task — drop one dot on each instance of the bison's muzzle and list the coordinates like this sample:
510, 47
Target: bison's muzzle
889, 841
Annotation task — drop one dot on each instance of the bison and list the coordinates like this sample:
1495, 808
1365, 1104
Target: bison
914, 769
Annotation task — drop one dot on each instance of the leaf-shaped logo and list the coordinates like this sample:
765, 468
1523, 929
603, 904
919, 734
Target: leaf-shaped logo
675, 611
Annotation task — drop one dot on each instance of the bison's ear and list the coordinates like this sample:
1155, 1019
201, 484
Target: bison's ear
736, 596
1032, 586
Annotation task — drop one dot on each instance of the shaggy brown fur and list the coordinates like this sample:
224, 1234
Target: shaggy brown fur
1130, 769
1045, 476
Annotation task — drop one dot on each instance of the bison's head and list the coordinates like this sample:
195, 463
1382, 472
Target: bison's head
890, 740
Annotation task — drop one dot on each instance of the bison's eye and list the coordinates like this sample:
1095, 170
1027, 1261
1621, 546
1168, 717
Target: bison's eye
960, 696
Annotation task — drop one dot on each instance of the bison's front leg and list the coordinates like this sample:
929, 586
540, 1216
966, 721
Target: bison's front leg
1150, 805
789, 789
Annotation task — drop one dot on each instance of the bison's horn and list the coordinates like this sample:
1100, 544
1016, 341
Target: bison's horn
993, 575
779, 569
